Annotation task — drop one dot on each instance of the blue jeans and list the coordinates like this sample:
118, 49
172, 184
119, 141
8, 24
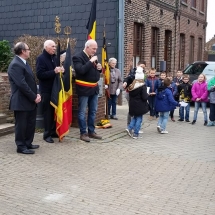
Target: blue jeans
92, 103
135, 124
151, 100
204, 109
187, 112
112, 104
163, 119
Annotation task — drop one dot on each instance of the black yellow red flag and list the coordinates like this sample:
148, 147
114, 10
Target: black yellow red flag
63, 108
105, 66
91, 25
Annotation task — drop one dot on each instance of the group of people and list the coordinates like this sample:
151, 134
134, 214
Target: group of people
160, 96
164, 95
25, 97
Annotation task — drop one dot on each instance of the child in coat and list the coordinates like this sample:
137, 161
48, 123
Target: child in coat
138, 105
184, 91
164, 104
200, 97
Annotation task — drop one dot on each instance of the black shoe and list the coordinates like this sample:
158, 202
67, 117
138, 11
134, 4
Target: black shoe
25, 151
205, 123
33, 147
180, 120
49, 140
187, 120
193, 122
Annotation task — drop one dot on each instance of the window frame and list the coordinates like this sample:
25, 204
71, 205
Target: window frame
193, 3
154, 47
137, 42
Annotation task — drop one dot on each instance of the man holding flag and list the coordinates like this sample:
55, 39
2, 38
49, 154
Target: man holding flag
47, 69
88, 72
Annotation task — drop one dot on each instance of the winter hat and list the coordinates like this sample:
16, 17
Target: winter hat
139, 73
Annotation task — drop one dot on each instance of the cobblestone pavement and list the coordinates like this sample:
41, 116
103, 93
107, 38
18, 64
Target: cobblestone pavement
159, 174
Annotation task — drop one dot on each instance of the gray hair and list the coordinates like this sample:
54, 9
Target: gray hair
90, 42
19, 47
112, 59
47, 43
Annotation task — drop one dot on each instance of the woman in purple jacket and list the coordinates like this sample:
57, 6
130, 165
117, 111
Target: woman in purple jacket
200, 96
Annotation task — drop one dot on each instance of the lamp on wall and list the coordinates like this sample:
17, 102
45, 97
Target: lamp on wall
161, 12
147, 6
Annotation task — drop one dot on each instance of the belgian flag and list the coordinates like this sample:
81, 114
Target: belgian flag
105, 66
61, 98
91, 25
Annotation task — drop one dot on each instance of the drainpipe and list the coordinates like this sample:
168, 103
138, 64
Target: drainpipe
121, 36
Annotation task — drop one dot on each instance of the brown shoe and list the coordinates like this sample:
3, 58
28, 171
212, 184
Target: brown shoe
85, 137
95, 136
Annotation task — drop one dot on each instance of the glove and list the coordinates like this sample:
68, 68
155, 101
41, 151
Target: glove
106, 86
117, 92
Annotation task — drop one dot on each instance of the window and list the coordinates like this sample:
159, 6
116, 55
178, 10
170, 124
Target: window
191, 54
202, 5
154, 48
199, 49
137, 41
168, 50
181, 51
193, 3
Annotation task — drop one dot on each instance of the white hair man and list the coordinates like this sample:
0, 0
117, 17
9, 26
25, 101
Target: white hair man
87, 71
47, 69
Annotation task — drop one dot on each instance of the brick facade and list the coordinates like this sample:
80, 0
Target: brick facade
5, 96
171, 17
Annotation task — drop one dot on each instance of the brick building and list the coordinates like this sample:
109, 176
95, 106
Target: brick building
165, 30
210, 50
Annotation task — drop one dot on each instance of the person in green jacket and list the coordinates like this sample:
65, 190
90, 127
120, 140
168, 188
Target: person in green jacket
211, 89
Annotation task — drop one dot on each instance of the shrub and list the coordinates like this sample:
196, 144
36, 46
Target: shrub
35, 44
6, 55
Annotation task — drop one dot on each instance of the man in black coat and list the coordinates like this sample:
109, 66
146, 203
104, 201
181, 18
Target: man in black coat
24, 99
46, 71
87, 71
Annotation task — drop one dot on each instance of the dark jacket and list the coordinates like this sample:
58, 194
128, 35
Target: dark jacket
184, 91
23, 86
164, 101
138, 104
45, 66
152, 83
131, 76
87, 75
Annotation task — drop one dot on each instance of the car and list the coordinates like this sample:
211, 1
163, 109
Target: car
199, 67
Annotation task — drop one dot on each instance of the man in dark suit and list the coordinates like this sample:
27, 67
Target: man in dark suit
24, 99
46, 71
87, 70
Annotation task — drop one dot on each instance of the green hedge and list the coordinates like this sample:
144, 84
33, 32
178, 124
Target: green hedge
6, 55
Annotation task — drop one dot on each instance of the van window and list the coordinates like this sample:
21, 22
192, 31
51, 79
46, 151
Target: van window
195, 69
209, 69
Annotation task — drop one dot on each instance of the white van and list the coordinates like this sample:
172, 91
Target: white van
198, 67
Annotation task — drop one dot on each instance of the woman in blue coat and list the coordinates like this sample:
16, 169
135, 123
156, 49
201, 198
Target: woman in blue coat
164, 104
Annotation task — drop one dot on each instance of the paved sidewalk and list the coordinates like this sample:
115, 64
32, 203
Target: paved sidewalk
159, 174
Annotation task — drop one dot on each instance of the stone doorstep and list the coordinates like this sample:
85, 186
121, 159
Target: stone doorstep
3, 118
6, 128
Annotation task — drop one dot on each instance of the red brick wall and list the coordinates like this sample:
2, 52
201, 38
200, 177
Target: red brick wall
5, 96
136, 11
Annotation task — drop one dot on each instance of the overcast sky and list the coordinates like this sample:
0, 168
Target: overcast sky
210, 31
